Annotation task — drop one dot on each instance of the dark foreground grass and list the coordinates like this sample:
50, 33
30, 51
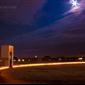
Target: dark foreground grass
59, 74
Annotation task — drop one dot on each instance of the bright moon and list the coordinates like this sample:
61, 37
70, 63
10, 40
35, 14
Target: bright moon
74, 3
75, 6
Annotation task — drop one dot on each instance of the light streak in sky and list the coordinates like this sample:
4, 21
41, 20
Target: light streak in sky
47, 64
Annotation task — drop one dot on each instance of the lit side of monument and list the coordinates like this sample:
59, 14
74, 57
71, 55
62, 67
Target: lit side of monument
7, 53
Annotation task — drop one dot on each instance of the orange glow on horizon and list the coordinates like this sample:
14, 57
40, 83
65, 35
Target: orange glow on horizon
3, 68
47, 64
41, 64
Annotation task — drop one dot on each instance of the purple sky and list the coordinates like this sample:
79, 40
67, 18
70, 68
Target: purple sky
39, 27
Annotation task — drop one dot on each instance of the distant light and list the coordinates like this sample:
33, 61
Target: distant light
19, 60
59, 59
14, 60
28, 59
0, 60
23, 60
35, 56
80, 59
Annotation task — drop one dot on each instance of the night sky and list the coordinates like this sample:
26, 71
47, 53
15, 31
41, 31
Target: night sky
43, 27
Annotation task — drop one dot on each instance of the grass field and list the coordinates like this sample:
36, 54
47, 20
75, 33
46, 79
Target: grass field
60, 74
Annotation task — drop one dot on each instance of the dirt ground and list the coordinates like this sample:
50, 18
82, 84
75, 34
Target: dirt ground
62, 74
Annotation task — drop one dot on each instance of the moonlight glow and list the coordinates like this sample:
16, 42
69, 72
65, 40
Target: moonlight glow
75, 7
74, 3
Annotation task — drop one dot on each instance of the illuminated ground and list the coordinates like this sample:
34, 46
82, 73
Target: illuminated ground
60, 74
